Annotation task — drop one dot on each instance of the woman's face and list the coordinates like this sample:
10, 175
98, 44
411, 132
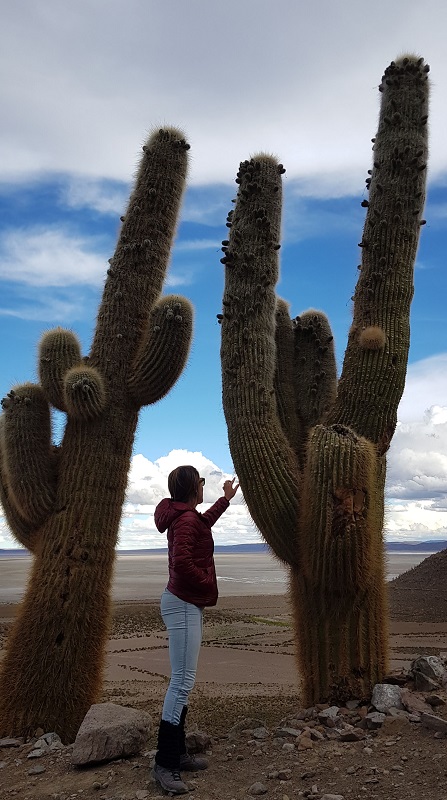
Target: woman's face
200, 491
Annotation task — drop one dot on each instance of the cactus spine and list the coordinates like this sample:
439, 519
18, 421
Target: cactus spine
64, 503
310, 455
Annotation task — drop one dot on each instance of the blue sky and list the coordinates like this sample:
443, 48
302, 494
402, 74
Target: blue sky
82, 84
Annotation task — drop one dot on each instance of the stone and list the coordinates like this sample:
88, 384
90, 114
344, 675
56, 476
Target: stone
435, 700
110, 731
257, 788
328, 715
47, 740
37, 770
260, 733
356, 735
284, 774
8, 742
432, 667
244, 724
304, 743
374, 720
424, 684
288, 747
398, 712
386, 696
414, 703
288, 732
197, 742
3, 764
434, 723
38, 753
332, 797
141, 794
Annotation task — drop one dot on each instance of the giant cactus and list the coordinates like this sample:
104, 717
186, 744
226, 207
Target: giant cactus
310, 455
64, 503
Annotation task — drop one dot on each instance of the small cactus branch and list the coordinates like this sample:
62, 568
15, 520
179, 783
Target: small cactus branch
59, 351
315, 374
340, 516
284, 377
163, 355
259, 447
85, 394
138, 267
374, 367
25, 532
27, 459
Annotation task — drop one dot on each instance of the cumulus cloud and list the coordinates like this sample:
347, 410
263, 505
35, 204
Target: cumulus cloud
50, 257
417, 463
416, 491
105, 197
291, 86
425, 387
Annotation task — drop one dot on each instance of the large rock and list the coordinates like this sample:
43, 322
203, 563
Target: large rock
386, 696
109, 731
429, 671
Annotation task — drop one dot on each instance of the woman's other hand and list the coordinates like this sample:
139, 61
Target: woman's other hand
230, 489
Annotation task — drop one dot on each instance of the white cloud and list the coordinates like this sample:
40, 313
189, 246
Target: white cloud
89, 80
416, 493
85, 192
46, 309
425, 386
50, 257
417, 463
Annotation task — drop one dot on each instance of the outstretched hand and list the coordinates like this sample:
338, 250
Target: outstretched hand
229, 489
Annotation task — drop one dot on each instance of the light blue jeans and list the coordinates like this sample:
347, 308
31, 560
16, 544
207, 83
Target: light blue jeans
184, 625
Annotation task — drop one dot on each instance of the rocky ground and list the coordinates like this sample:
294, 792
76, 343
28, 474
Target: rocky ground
261, 740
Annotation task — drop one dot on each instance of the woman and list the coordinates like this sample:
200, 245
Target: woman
192, 585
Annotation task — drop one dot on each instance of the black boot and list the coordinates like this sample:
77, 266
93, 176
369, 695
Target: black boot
166, 771
188, 763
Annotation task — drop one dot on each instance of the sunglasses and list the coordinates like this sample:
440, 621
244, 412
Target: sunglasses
201, 481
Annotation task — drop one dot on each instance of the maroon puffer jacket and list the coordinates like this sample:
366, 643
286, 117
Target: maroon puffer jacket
192, 576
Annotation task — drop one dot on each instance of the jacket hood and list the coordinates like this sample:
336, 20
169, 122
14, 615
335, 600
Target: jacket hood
167, 511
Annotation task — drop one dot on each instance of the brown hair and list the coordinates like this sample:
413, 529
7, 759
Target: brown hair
183, 483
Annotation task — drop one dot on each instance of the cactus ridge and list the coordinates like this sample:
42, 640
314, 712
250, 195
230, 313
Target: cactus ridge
308, 451
65, 503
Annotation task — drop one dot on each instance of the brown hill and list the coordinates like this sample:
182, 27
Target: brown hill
421, 593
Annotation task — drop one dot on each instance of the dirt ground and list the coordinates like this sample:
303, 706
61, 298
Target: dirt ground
247, 669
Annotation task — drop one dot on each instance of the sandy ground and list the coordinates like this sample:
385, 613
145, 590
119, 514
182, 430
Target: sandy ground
246, 668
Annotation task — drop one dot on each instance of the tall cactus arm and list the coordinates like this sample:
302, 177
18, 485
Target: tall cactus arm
59, 351
375, 363
263, 458
138, 267
315, 372
164, 351
25, 532
284, 374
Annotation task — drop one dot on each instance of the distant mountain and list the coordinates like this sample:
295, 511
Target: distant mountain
431, 546
420, 595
